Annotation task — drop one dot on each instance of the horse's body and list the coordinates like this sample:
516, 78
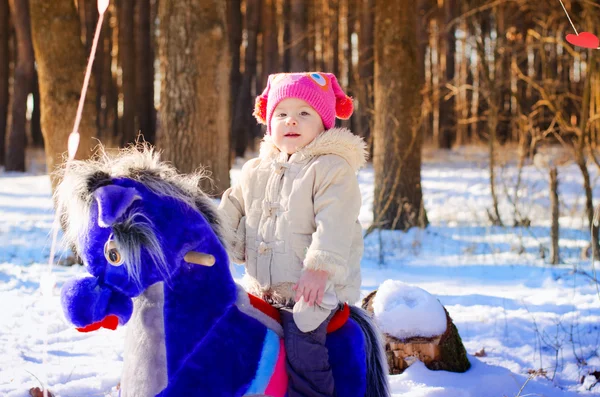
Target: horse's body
132, 220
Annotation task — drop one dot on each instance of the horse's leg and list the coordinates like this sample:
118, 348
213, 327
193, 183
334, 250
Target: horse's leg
224, 362
347, 357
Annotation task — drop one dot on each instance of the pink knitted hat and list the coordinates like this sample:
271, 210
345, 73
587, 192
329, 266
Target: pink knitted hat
319, 90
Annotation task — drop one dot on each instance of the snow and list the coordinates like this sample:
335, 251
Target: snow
406, 311
533, 326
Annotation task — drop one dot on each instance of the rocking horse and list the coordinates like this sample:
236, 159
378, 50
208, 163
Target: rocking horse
156, 252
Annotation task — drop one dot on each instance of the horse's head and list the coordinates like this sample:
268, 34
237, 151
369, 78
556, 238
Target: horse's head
133, 219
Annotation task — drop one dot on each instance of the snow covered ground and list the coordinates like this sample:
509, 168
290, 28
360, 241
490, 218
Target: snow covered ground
519, 314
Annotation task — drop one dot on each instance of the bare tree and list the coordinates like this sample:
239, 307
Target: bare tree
348, 28
35, 126
554, 203
60, 57
128, 69
505, 17
4, 72
195, 62
144, 70
490, 94
243, 125
270, 55
398, 199
285, 27
298, 37
334, 44
366, 67
351, 14
574, 136
447, 92
106, 82
23, 86
235, 29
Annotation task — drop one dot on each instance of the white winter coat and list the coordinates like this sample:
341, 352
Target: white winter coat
300, 212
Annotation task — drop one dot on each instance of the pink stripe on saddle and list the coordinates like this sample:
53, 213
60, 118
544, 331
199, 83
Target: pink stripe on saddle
278, 383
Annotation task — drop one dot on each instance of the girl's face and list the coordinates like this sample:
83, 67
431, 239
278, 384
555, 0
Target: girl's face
294, 125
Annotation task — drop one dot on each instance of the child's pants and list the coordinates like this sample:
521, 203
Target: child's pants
307, 364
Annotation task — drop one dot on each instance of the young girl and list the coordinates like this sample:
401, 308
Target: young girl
295, 213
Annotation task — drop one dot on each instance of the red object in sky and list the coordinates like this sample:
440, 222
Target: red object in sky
584, 39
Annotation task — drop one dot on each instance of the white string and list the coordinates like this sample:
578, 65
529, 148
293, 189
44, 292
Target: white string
563, 6
47, 280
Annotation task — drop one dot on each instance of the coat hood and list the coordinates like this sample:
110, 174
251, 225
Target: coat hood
339, 141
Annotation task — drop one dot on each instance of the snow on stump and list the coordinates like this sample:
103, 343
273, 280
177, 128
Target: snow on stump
416, 327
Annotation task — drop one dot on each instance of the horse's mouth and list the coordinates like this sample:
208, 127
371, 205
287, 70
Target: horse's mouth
110, 322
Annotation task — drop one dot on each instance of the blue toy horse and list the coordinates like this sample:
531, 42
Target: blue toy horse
153, 244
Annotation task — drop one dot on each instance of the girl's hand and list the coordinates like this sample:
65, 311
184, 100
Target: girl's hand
311, 286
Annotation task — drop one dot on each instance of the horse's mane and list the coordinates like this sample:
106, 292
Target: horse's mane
79, 179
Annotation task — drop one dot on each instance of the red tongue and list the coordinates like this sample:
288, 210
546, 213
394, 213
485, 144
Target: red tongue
111, 322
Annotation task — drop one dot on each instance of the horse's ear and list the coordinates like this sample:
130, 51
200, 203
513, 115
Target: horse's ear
113, 201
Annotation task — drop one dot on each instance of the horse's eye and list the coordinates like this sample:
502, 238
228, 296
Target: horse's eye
112, 254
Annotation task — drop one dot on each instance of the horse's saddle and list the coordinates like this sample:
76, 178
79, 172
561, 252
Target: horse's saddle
339, 318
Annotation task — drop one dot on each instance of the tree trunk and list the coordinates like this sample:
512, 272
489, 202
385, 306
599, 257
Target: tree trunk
23, 86
350, 11
492, 131
334, 37
90, 18
423, 9
4, 72
298, 37
554, 203
580, 158
144, 71
311, 17
462, 108
366, 68
270, 56
423, 36
471, 97
89, 8
235, 25
286, 16
61, 60
482, 104
106, 82
447, 98
35, 126
194, 59
350, 6
490, 91
325, 30
398, 200
444, 352
502, 56
127, 60
243, 125
434, 62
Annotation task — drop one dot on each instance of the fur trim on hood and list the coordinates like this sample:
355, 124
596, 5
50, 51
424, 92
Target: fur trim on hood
339, 141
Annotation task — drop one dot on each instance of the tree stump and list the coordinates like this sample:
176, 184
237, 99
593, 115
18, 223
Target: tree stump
443, 352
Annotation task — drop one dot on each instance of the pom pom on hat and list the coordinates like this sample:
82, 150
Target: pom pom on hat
344, 107
260, 109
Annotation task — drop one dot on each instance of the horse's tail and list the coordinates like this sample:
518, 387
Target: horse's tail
377, 368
